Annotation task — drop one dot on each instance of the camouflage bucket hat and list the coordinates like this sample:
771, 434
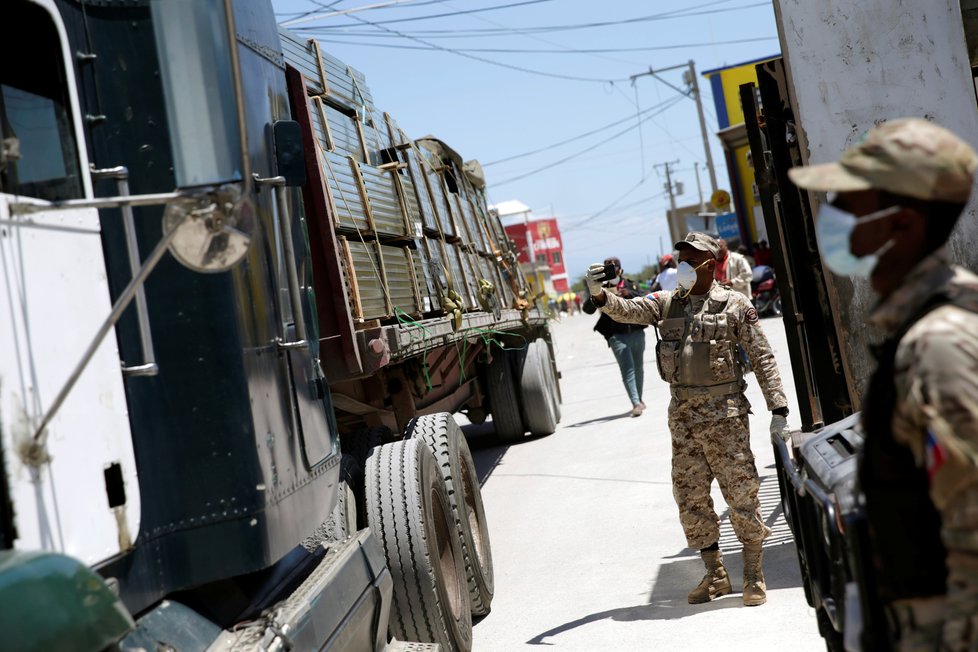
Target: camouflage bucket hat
909, 156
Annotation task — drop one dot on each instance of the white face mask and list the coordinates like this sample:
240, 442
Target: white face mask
686, 277
834, 229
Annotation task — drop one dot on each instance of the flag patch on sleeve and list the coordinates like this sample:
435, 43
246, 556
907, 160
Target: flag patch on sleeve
935, 455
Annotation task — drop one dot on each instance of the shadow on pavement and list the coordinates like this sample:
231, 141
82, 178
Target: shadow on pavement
597, 420
487, 451
668, 599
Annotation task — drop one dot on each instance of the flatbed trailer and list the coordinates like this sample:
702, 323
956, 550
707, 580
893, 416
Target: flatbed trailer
235, 432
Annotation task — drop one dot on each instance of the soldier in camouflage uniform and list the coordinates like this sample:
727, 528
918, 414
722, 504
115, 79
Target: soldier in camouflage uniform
699, 327
900, 193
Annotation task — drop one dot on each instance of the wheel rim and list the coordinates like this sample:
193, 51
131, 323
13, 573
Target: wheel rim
475, 517
446, 557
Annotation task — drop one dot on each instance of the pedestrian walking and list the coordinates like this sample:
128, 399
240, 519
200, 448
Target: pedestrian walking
698, 328
900, 192
627, 341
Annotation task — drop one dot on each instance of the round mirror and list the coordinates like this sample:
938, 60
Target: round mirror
208, 235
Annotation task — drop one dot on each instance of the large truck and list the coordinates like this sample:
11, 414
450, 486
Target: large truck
846, 66
238, 310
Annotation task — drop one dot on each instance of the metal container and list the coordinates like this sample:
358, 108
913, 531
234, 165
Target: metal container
401, 283
343, 186
325, 74
382, 202
363, 272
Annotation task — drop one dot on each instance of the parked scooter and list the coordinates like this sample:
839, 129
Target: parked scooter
764, 291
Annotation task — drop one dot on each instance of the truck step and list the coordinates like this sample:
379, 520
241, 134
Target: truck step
407, 646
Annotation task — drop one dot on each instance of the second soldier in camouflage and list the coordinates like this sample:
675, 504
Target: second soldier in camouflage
699, 327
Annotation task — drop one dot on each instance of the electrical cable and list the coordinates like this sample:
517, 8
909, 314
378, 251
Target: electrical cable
460, 12
668, 104
456, 33
577, 137
612, 204
303, 14
677, 46
489, 61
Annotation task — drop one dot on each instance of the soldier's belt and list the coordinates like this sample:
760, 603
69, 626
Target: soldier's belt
907, 615
683, 393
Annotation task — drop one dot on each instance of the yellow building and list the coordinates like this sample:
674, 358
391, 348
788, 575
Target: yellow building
725, 83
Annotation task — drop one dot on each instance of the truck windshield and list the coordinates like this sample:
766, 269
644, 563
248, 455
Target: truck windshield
40, 155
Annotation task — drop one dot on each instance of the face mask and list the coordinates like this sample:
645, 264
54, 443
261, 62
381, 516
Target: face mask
834, 229
686, 277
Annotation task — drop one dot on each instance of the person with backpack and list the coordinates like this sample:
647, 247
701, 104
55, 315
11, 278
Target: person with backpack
627, 341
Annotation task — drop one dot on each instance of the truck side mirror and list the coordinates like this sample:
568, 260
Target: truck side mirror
290, 155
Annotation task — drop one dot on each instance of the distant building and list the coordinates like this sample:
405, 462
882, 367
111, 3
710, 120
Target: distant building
546, 269
726, 83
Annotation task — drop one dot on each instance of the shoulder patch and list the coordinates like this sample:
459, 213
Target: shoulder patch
751, 315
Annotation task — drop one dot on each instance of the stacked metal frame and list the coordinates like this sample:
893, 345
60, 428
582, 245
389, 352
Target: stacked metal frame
410, 226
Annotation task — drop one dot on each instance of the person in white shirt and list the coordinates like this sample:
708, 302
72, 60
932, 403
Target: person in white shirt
666, 280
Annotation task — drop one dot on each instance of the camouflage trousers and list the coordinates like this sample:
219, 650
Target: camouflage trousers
716, 448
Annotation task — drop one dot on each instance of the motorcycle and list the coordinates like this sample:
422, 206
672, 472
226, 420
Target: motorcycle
764, 292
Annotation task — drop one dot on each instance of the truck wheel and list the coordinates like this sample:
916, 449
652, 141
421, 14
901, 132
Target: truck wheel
503, 399
445, 439
552, 379
537, 390
360, 443
409, 511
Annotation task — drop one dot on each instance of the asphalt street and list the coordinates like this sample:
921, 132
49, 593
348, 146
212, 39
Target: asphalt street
588, 551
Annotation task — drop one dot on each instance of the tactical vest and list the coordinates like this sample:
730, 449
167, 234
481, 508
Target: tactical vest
699, 352
904, 526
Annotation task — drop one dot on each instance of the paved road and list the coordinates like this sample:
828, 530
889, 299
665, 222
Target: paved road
588, 550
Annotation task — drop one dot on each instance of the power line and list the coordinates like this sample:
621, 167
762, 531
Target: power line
475, 57
448, 14
542, 29
577, 137
299, 15
665, 105
612, 204
321, 5
677, 46
352, 10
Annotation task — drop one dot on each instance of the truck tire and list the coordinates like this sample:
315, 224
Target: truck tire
445, 439
537, 390
409, 511
552, 382
503, 398
361, 442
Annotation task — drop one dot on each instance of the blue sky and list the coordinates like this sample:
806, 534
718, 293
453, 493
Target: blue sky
491, 112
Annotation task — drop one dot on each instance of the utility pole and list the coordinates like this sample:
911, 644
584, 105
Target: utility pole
693, 90
692, 81
669, 187
699, 188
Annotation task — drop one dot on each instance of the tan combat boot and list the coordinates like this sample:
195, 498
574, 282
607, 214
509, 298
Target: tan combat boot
715, 583
754, 587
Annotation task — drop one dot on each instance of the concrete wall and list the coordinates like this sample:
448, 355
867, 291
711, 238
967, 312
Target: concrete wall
856, 63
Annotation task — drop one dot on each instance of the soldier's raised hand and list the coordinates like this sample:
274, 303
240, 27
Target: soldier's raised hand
594, 278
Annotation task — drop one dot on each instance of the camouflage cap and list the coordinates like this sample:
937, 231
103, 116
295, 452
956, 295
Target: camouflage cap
700, 241
908, 156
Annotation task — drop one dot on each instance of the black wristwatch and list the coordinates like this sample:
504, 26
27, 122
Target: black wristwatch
781, 411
